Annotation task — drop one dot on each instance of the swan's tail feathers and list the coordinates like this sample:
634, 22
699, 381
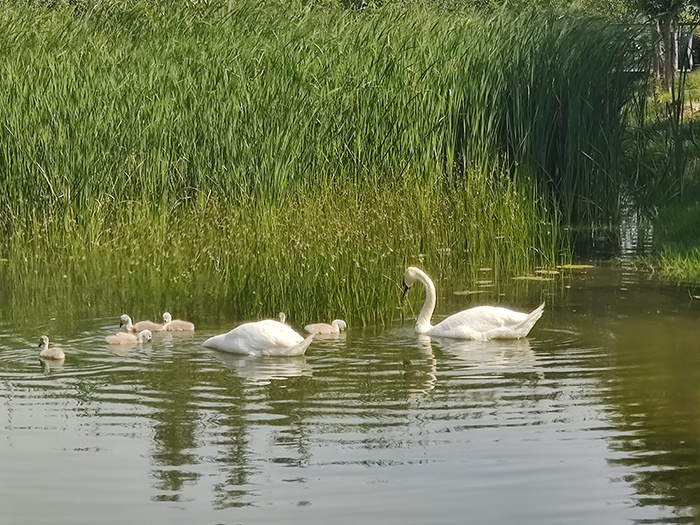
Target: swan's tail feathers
213, 342
530, 321
300, 348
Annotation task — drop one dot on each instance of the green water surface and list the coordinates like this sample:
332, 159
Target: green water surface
593, 419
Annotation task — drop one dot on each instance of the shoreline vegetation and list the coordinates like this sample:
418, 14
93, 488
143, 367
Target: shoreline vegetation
311, 256
677, 232
671, 199
243, 159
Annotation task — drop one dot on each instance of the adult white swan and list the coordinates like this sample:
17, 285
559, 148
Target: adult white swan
268, 337
480, 323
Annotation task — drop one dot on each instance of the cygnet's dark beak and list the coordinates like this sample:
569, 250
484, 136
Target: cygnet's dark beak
405, 290
121, 324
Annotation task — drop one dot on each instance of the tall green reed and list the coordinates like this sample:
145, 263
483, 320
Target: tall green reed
264, 100
121, 118
341, 251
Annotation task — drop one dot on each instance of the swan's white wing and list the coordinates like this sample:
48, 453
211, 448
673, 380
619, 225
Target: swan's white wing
281, 331
482, 318
488, 322
266, 334
477, 322
262, 338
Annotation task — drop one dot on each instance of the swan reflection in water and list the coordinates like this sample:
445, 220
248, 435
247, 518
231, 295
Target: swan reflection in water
420, 375
486, 356
265, 369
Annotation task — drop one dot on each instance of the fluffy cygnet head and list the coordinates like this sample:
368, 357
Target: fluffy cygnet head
43, 341
167, 318
49, 353
125, 321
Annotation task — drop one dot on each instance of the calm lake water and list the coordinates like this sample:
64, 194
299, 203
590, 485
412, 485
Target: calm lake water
594, 419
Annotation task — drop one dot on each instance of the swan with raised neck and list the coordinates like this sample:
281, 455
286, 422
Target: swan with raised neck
481, 322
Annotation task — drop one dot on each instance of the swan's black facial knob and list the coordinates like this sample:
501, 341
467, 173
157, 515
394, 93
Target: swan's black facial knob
405, 289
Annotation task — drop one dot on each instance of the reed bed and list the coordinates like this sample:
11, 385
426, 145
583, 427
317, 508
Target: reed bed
297, 153
341, 252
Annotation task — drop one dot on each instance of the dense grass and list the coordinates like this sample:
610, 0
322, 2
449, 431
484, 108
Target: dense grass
340, 252
677, 235
670, 182
124, 100
296, 150
681, 266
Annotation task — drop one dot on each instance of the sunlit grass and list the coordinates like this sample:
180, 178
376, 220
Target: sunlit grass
162, 104
677, 235
673, 195
249, 157
679, 266
339, 252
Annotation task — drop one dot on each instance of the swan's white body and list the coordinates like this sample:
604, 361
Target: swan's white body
176, 325
266, 337
335, 327
127, 338
126, 323
52, 352
480, 323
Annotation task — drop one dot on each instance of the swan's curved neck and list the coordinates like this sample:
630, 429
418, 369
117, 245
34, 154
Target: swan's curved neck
423, 321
